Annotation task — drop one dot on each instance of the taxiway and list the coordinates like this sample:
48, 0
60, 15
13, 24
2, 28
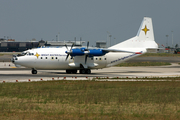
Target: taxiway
8, 73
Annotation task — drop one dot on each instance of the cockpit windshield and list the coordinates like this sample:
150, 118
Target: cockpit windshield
26, 53
30, 54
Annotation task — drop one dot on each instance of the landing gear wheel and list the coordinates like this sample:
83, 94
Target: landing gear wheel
88, 71
82, 71
74, 71
68, 71
71, 71
34, 71
85, 71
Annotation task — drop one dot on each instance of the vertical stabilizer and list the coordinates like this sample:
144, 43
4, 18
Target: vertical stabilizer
143, 39
145, 31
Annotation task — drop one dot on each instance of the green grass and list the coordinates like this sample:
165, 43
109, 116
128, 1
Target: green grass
146, 63
90, 100
140, 78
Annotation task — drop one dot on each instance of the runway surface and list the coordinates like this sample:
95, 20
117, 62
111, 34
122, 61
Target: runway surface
8, 73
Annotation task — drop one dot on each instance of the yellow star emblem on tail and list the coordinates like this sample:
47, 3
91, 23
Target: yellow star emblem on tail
37, 55
145, 29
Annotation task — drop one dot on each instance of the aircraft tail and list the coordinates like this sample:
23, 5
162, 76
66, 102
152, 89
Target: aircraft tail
143, 39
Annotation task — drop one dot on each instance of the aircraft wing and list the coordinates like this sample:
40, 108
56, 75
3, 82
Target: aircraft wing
115, 50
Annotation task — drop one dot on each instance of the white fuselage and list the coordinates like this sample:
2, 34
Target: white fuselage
54, 58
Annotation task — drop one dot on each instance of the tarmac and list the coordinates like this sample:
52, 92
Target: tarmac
9, 73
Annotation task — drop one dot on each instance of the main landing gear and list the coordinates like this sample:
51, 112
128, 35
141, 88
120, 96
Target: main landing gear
34, 71
85, 71
81, 71
71, 71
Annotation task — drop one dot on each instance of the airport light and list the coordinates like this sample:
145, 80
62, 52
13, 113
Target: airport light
108, 33
110, 40
172, 39
167, 40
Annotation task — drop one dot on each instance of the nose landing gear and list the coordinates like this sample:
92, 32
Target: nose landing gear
34, 71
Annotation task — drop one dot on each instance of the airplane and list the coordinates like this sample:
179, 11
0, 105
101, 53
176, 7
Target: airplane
83, 59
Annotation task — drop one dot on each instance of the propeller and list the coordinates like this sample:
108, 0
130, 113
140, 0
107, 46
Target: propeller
87, 45
69, 51
86, 50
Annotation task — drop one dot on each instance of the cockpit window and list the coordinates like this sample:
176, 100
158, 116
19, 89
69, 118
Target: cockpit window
24, 53
29, 54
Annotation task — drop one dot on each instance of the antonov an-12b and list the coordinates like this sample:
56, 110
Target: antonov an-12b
84, 59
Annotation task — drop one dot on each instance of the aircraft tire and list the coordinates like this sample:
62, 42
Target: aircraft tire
74, 71
82, 71
68, 71
88, 71
71, 71
34, 71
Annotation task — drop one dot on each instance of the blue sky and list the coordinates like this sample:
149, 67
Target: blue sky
90, 19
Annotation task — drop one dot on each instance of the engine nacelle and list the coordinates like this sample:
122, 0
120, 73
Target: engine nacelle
90, 52
77, 52
96, 52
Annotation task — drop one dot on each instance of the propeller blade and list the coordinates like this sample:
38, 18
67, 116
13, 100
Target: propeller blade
67, 56
87, 45
68, 52
66, 47
86, 59
72, 46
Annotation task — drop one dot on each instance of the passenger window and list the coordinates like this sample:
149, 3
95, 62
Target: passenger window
92, 58
52, 58
41, 57
99, 58
46, 57
96, 58
56, 58
104, 58
32, 53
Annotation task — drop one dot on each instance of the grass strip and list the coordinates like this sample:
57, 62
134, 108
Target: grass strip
90, 100
139, 78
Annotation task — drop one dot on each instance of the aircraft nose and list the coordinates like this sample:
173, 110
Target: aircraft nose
13, 59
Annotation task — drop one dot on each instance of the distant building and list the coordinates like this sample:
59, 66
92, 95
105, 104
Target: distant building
63, 43
101, 44
17, 46
11, 46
